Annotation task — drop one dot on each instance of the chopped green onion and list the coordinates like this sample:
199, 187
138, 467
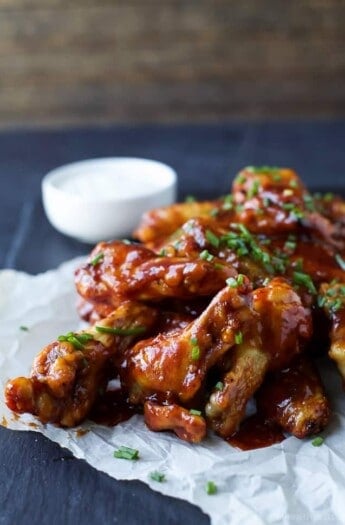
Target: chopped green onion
195, 354
232, 282
340, 261
239, 338
212, 238
99, 257
135, 330
126, 453
162, 252
195, 412
240, 179
84, 337
206, 256
303, 279
77, 340
211, 488
157, 476
293, 183
328, 196
309, 202
318, 441
219, 386
273, 171
214, 212
290, 246
219, 266
254, 189
24, 328
190, 198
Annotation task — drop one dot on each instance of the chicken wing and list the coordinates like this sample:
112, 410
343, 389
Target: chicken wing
295, 399
284, 326
134, 272
67, 375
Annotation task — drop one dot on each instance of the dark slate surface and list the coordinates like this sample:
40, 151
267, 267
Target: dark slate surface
39, 482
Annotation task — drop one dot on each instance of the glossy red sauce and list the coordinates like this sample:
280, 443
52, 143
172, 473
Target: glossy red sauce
112, 408
256, 432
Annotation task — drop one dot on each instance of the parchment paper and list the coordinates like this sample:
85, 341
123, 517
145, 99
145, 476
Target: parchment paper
292, 482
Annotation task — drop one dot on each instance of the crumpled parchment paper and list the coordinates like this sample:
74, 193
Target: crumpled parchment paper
291, 482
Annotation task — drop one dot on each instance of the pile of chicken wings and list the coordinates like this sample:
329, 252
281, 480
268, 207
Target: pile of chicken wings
214, 303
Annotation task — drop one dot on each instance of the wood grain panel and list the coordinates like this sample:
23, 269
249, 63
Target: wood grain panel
87, 61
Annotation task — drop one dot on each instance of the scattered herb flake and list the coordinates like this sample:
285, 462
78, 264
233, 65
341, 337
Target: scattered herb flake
212, 238
190, 198
303, 279
157, 476
340, 261
211, 488
135, 330
219, 386
318, 441
24, 328
126, 453
97, 259
206, 256
195, 353
194, 412
239, 338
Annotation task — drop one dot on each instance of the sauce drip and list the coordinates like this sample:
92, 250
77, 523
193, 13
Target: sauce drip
112, 408
256, 432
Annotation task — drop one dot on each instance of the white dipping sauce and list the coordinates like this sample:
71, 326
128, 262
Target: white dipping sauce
103, 199
110, 184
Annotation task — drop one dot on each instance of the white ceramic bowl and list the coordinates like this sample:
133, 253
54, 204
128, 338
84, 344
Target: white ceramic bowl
103, 199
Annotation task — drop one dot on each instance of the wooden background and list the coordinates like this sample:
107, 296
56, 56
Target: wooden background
98, 61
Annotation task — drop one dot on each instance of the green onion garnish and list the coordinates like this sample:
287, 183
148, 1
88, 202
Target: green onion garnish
195, 412
303, 279
126, 453
206, 256
211, 488
219, 386
157, 476
99, 257
239, 338
77, 340
340, 261
24, 328
328, 196
240, 179
234, 282
195, 354
162, 252
135, 330
254, 189
318, 441
212, 238
190, 198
